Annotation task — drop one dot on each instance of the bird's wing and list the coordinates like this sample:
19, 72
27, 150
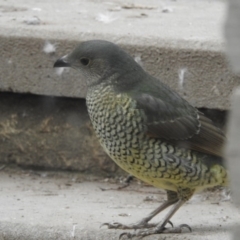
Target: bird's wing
168, 116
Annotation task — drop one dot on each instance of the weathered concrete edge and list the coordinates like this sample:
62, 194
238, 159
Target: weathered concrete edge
190, 44
204, 67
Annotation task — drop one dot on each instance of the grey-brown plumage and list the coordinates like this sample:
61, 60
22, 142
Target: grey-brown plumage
147, 128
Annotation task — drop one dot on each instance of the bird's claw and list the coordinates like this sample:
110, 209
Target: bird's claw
156, 230
186, 226
139, 225
114, 225
178, 229
127, 234
170, 223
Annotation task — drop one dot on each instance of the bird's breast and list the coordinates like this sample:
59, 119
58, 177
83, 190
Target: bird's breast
115, 118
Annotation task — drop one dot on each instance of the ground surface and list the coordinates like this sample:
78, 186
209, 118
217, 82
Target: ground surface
57, 205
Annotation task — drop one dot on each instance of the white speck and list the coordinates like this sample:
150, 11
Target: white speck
181, 77
37, 9
9, 61
225, 218
59, 71
167, 10
105, 18
226, 195
32, 21
49, 47
138, 59
73, 230
215, 90
44, 175
124, 214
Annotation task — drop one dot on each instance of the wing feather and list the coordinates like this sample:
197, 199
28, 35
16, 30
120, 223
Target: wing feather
170, 117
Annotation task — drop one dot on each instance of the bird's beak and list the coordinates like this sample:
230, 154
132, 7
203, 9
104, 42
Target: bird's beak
62, 62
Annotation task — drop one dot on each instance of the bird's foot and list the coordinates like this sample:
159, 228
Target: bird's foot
139, 225
155, 230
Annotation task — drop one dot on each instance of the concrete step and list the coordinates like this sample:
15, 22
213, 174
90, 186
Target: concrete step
181, 42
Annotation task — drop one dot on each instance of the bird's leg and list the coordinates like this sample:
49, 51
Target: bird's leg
172, 197
160, 228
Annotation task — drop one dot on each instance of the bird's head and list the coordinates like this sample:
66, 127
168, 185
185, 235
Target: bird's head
101, 61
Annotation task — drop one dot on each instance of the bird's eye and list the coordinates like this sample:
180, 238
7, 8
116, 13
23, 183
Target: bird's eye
84, 61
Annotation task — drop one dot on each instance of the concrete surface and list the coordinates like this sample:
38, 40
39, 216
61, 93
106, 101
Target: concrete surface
232, 32
180, 42
233, 150
58, 205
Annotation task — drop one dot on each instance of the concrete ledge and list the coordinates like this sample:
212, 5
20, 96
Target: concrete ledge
173, 40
